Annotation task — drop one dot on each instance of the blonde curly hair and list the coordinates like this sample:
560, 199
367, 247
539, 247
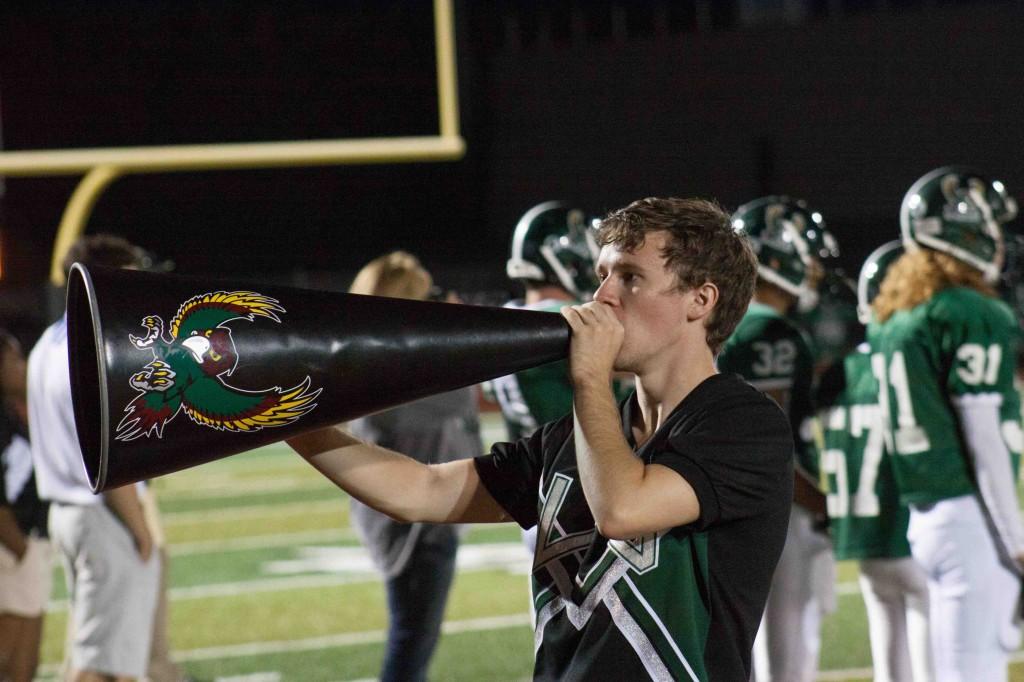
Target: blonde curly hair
920, 274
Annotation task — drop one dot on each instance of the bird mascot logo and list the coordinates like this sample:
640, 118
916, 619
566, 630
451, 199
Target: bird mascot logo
188, 369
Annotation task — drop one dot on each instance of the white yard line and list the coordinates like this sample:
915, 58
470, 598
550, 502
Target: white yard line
235, 589
254, 512
847, 588
326, 642
843, 675
261, 541
345, 639
230, 486
341, 566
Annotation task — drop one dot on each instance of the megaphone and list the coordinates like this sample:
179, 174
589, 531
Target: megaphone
170, 372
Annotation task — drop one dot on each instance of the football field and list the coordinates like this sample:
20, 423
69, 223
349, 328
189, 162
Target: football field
268, 583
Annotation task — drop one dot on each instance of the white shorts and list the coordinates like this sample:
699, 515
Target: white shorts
25, 585
113, 593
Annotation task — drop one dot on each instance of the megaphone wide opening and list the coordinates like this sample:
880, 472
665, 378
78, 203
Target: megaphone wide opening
88, 378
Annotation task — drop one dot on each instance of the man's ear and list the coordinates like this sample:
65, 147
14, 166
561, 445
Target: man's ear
703, 299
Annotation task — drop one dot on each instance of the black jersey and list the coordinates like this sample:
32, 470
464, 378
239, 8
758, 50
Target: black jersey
683, 603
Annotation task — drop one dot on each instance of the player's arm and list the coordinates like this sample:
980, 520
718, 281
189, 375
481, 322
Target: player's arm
980, 423
627, 497
401, 487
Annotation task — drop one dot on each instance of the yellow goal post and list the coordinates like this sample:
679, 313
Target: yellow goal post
101, 166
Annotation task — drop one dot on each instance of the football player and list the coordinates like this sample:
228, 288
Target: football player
943, 348
867, 521
553, 256
772, 353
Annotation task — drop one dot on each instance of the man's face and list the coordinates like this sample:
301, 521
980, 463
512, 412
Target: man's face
645, 299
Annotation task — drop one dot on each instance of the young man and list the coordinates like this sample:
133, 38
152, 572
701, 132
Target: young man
660, 524
111, 568
943, 351
770, 351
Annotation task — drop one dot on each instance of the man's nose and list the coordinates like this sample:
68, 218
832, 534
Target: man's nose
605, 293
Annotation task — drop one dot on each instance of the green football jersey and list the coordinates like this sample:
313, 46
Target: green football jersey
867, 520
958, 343
772, 353
538, 395
533, 397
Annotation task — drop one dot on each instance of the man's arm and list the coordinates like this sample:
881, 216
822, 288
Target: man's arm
627, 498
399, 486
11, 536
125, 504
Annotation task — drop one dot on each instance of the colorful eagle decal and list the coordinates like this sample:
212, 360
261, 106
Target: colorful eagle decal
188, 369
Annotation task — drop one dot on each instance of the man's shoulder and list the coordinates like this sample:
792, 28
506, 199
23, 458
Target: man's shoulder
727, 397
54, 335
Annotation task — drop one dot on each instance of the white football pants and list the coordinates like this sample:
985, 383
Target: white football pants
895, 595
803, 590
973, 596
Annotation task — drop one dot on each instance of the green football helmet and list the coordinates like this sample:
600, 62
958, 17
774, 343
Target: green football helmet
555, 243
876, 265
959, 211
833, 324
791, 242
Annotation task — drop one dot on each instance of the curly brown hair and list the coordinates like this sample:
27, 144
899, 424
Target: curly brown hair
103, 249
703, 247
918, 275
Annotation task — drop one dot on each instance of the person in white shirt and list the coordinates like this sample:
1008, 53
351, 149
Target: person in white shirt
110, 565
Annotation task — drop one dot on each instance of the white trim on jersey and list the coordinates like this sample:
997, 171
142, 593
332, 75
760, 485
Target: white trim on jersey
661, 626
604, 593
641, 644
771, 384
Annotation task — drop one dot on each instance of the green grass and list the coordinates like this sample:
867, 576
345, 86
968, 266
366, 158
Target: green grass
229, 521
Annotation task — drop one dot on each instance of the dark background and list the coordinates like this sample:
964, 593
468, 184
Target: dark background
843, 103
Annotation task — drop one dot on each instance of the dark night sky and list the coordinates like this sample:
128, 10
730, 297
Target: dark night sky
144, 73
600, 102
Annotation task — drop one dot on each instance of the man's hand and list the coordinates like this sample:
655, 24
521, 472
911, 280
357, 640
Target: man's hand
125, 504
596, 340
143, 543
11, 536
